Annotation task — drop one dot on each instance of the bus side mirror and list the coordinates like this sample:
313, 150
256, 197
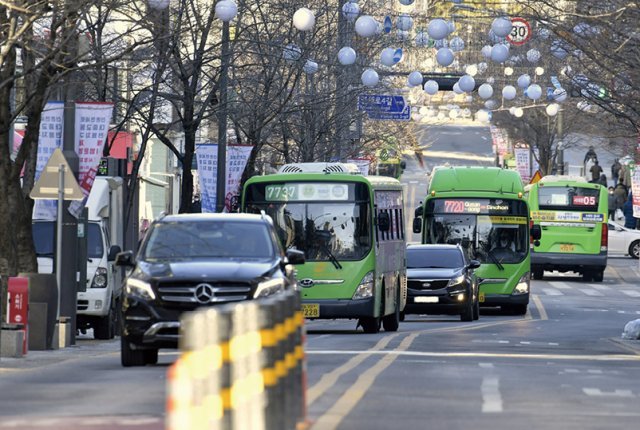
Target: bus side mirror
417, 225
383, 221
418, 212
536, 232
403, 164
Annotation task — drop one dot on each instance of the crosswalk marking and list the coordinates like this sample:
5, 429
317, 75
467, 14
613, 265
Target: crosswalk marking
631, 293
616, 393
592, 293
560, 285
552, 292
600, 287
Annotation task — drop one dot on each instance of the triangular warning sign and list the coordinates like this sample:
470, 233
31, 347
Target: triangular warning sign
536, 177
48, 184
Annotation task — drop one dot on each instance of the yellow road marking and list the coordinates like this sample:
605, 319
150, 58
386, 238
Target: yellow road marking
541, 310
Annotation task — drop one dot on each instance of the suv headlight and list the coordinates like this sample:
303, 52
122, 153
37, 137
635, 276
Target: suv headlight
267, 288
522, 287
100, 278
365, 289
139, 288
456, 281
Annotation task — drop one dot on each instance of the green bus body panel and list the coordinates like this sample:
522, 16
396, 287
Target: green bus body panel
481, 182
584, 240
352, 273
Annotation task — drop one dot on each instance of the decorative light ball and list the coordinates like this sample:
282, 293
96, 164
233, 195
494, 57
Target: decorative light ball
366, 26
441, 116
456, 44
508, 71
485, 91
454, 113
226, 10
533, 55
304, 19
486, 51
431, 112
404, 22
347, 56
469, 98
423, 110
559, 95
158, 4
452, 26
415, 79
442, 43
491, 80
467, 83
501, 26
471, 69
386, 56
444, 57
552, 109
534, 91
491, 104
431, 87
499, 53
559, 50
457, 89
509, 92
518, 112
422, 39
524, 81
370, 78
438, 29
482, 115
350, 11
512, 110
543, 33
482, 67
406, 2
310, 67
539, 71
403, 35
291, 52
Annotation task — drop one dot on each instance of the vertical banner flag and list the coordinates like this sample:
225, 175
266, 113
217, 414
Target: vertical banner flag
523, 163
207, 156
92, 126
635, 190
49, 138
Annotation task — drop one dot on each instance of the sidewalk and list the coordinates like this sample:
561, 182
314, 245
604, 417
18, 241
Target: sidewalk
578, 147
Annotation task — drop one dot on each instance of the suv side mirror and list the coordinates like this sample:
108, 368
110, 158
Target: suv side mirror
417, 225
473, 264
383, 221
113, 252
294, 256
536, 232
125, 259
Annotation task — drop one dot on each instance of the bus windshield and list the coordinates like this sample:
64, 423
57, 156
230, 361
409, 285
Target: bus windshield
568, 198
491, 231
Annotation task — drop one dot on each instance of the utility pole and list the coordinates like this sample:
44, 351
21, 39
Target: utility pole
221, 176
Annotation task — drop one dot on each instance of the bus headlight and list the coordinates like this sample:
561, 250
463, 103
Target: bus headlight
139, 288
100, 278
267, 288
522, 287
365, 289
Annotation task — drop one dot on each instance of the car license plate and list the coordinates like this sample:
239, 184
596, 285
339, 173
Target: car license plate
567, 247
481, 297
425, 299
311, 310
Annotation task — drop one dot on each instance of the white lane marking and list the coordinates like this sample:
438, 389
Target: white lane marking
621, 312
592, 293
560, 285
631, 293
600, 287
525, 343
600, 393
595, 371
484, 137
491, 398
571, 371
596, 310
486, 365
413, 182
552, 292
422, 184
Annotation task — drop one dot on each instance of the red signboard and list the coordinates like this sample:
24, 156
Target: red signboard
584, 200
18, 306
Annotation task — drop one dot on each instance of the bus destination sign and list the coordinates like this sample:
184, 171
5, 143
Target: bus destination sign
472, 206
306, 191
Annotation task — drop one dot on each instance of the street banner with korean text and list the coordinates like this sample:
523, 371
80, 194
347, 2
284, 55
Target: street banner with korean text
500, 143
523, 163
49, 138
207, 157
635, 190
92, 126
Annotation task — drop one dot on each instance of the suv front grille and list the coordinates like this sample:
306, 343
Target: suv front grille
215, 293
421, 284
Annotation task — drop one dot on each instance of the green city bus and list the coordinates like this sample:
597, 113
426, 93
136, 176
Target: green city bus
484, 210
573, 216
351, 230
389, 163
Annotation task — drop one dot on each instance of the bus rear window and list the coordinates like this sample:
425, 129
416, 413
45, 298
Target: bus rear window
568, 198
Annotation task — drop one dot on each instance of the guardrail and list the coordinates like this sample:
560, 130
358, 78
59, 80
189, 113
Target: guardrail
241, 366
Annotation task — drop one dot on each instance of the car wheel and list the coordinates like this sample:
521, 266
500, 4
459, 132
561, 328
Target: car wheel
634, 249
538, 274
130, 357
370, 324
104, 328
150, 356
598, 276
467, 314
587, 276
392, 322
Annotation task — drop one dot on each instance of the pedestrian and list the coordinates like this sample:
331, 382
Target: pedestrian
603, 180
596, 171
590, 155
615, 170
612, 204
627, 210
620, 193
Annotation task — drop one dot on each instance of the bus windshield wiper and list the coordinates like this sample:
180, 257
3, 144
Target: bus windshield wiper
495, 260
332, 257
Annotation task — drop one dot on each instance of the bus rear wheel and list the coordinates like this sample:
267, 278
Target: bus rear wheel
370, 324
598, 276
392, 322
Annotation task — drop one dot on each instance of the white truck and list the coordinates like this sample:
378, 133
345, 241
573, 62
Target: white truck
97, 307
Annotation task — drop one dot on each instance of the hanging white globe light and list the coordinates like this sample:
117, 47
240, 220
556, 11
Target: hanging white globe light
539, 71
512, 110
438, 29
471, 69
291, 52
454, 113
509, 92
422, 39
431, 87
533, 55
304, 19
482, 67
456, 44
508, 71
499, 53
350, 11
485, 91
310, 67
423, 110
518, 112
387, 57
370, 78
403, 35
366, 26
490, 104
482, 115
486, 51
501, 26
404, 22
559, 95
444, 57
491, 80
534, 91
457, 89
406, 2
467, 83
226, 10
524, 81
552, 109
415, 79
347, 56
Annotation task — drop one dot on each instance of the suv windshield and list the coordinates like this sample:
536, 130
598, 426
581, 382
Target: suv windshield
207, 239
434, 258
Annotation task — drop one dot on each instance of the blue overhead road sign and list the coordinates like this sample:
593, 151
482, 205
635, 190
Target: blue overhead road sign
383, 106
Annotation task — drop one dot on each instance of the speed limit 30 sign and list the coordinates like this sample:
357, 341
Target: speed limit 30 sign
520, 31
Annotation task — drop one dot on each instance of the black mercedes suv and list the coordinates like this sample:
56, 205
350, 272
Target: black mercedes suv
188, 261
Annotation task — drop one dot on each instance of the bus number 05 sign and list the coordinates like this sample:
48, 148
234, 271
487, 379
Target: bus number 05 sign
520, 31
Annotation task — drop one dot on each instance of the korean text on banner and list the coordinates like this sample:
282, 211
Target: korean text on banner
207, 156
523, 163
635, 190
92, 126
49, 138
